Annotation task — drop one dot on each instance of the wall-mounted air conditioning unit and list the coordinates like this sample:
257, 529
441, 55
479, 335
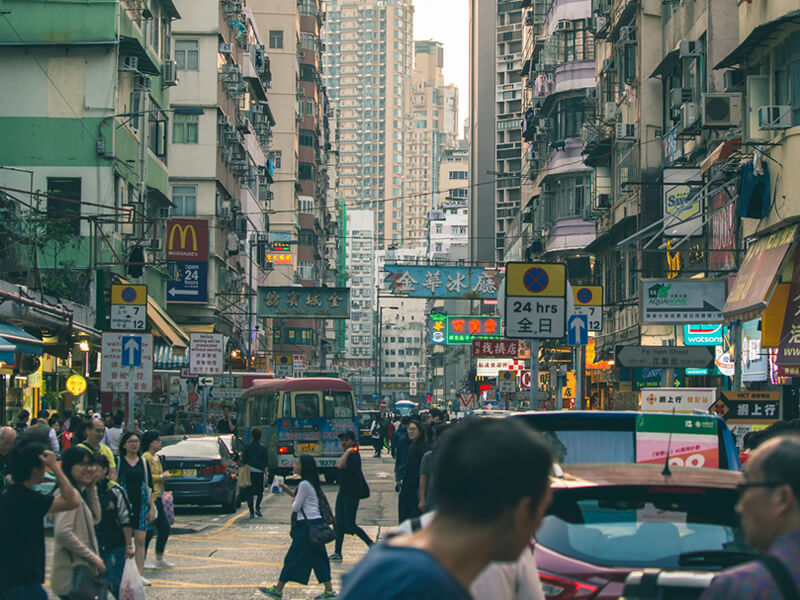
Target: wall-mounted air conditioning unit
225, 48
677, 96
129, 63
775, 117
610, 111
722, 110
142, 83
625, 131
169, 73
734, 80
690, 114
690, 49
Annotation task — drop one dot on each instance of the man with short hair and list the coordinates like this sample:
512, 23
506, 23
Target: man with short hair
95, 430
7, 437
769, 509
227, 424
436, 416
22, 512
115, 433
22, 421
492, 489
352, 488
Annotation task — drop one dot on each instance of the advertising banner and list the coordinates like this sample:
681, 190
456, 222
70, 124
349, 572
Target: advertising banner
683, 400
187, 240
682, 301
682, 207
317, 437
789, 346
304, 302
693, 444
443, 282
495, 349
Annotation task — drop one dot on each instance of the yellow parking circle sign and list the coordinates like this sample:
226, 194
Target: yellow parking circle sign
132, 295
536, 279
284, 359
588, 295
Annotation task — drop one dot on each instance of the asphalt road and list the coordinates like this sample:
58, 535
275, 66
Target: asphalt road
219, 555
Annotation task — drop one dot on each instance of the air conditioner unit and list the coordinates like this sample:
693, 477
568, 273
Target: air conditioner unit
563, 25
627, 34
610, 111
722, 110
129, 63
734, 80
677, 96
690, 49
625, 131
690, 113
774, 117
604, 200
169, 72
225, 48
257, 109
142, 83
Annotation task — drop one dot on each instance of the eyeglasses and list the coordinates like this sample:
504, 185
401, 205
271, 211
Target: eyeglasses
743, 487
85, 465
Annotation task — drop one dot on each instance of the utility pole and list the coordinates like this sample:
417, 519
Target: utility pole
534, 400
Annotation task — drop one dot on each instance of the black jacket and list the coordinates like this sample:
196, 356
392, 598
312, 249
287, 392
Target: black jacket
256, 456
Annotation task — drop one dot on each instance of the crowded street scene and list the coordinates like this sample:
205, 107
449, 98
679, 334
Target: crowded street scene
399, 299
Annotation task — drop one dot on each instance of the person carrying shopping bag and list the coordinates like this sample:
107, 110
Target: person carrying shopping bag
151, 443
77, 565
309, 507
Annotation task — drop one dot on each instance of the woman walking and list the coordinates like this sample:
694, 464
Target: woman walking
308, 506
151, 443
134, 477
408, 501
255, 456
114, 530
73, 530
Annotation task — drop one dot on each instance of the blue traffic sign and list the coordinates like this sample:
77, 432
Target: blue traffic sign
535, 280
375, 395
191, 284
578, 330
131, 351
585, 295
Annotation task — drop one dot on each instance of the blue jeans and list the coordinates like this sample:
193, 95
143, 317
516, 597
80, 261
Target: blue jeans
33, 591
115, 565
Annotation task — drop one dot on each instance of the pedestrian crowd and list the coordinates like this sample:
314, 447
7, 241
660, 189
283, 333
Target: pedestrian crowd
109, 502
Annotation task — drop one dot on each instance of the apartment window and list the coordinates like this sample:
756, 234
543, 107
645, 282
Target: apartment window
276, 158
184, 129
186, 53
577, 44
306, 171
276, 38
136, 108
307, 138
311, 107
458, 175
184, 197
67, 206
786, 76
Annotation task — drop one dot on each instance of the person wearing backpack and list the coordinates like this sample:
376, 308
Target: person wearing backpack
310, 511
352, 488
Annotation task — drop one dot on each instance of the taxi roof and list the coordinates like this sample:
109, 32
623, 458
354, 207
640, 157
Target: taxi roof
620, 474
301, 384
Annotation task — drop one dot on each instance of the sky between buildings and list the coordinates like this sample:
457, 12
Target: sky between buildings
447, 21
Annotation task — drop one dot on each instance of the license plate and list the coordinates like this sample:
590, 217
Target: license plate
184, 472
308, 447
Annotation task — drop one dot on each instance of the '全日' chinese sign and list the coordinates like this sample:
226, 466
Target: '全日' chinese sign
447, 329
304, 302
442, 282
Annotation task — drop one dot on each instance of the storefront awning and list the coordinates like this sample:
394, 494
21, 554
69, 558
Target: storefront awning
758, 275
199, 328
24, 343
163, 358
667, 65
761, 36
7, 350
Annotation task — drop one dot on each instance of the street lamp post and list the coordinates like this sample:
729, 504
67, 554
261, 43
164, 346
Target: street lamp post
379, 363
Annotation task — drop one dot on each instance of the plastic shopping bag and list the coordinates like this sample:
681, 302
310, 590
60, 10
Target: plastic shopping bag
131, 587
276, 483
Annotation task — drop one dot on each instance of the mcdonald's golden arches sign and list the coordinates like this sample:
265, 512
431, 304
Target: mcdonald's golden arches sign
187, 240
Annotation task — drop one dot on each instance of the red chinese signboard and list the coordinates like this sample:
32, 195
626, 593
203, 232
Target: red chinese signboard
495, 348
187, 240
462, 330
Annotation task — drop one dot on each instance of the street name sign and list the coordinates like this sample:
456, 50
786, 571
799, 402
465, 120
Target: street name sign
682, 300
588, 300
666, 357
125, 356
206, 353
128, 307
535, 300
578, 330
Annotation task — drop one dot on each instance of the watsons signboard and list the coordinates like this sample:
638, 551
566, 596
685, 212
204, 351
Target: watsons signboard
704, 334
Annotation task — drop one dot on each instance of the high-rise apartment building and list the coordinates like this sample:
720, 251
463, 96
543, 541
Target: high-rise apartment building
367, 63
360, 265
299, 221
431, 118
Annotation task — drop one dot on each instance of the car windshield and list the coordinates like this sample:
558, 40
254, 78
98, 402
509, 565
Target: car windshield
591, 446
208, 448
644, 526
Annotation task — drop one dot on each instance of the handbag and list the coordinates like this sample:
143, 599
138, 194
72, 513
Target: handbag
363, 488
168, 504
86, 585
319, 534
244, 480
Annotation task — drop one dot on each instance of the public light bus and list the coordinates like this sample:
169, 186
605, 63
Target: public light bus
298, 416
405, 407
